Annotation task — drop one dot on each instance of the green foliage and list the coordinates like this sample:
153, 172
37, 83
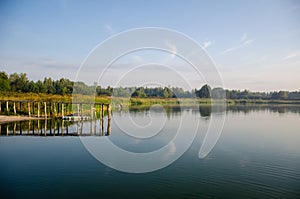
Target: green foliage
19, 83
4, 82
218, 93
139, 92
168, 93
204, 92
104, 91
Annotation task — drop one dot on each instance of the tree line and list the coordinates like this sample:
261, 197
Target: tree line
20, 83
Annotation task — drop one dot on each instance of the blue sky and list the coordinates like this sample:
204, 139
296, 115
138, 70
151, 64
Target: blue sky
255, 44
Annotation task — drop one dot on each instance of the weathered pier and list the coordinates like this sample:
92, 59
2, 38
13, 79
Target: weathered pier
64, 110
56, 127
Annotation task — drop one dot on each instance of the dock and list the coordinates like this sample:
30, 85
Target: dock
57, 127
63, 110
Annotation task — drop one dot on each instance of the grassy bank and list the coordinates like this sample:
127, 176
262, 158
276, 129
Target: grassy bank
134, 101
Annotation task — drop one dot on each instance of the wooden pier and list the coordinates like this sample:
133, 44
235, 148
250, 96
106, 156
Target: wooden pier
56, 127
44, 109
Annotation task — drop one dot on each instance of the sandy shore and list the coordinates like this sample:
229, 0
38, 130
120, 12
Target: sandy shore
6, 119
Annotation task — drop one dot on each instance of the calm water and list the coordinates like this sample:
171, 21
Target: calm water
257, 156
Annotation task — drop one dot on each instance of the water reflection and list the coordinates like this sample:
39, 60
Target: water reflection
271, 108
57, 127
101, 127
206, 110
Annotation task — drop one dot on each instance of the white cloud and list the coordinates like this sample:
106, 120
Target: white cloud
137, 59
248, 42
206, 44
230, 49
244, 37
292, 55
172, 48
244, 42
109, 29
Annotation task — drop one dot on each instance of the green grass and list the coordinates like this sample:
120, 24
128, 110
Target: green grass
132, 101
260, 101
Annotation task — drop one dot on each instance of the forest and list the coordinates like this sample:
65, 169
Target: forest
19, 83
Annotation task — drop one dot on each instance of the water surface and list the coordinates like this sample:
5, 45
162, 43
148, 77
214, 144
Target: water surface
257, 156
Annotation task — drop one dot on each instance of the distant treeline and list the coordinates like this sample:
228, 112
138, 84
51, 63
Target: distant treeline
21, 84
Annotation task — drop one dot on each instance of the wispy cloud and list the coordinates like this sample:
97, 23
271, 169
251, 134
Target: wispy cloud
244, 37
207, 44
244, 42
172, 51
137, 59
292, 55
172, 48
109, 29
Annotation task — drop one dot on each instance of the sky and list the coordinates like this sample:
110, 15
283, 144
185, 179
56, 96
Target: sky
255, 45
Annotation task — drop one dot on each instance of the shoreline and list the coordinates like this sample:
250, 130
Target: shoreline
6, 119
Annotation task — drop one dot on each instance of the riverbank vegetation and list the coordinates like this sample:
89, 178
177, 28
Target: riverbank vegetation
19, 87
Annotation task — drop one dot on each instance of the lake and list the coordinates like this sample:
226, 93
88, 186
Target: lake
256, 156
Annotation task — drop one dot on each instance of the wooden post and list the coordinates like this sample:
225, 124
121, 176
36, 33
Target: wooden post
54, 107
58, 110
50, 129
29, 109
96, 105
78, 110
45, 108
102, 110
15, 128
102, 126
95, 112
15, 110
95, 126
33, 110
38, 110
79, 127
38, 124
108, 111
91, 110
81, 111
67, 128
45, 126
20, 126
57, 128
28, 130
0, 106
54, 129
108, 127
33, 121
62, 127
7, 110
62, 109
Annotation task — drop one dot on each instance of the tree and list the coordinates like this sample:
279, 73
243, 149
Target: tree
139, 92
49, 86
4, 82
63, 86
283, 94
41, 86
32, 87
18, 83
204, 92
168, 93
218, 93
